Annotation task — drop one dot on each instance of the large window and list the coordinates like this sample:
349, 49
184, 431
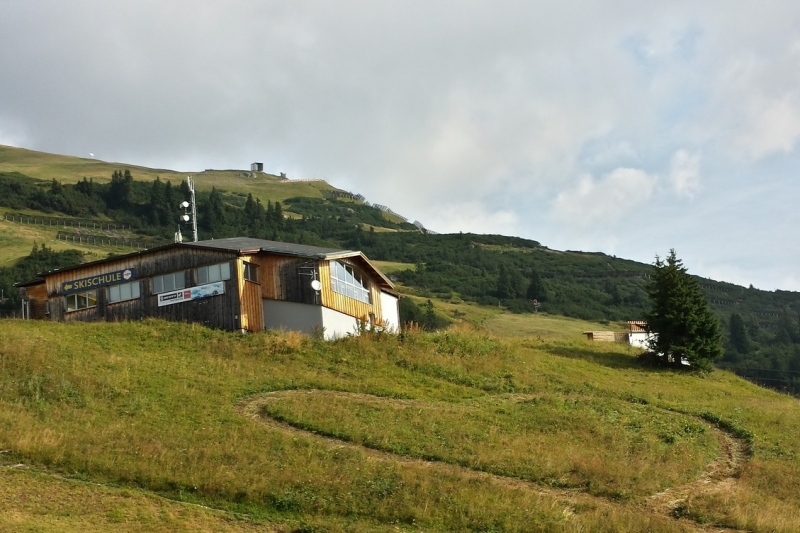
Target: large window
212, 273
169, 282
251, 272
123, 292
81, 300
349, 281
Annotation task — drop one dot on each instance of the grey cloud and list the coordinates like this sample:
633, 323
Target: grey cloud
467, 115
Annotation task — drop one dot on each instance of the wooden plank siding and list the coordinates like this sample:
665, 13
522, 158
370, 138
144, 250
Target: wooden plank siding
217, 311
269, 268
345, 304
251, 310
281, 276
37, 296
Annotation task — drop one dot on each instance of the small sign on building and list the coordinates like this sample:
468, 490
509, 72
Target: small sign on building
100, 280
192, 293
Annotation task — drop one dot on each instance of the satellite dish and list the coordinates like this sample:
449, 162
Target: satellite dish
316, 285
184, 204
185, 218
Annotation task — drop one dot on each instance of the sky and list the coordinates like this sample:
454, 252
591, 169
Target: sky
624, 127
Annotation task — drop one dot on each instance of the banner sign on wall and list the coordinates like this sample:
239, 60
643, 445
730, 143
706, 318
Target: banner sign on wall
100, 280
192, 293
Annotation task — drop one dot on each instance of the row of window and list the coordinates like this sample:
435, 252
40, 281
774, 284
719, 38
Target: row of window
344, 279
164, 283
350, 282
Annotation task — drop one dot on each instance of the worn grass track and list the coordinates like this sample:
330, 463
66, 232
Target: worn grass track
457, 431
717, 476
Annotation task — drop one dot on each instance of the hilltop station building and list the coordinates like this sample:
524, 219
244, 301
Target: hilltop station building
236, 284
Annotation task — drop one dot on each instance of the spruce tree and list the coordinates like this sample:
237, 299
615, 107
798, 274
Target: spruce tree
681, 320
738, 334
535, 287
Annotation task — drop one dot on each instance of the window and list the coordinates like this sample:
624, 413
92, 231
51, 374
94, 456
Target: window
123, 292
212, 273
169, 282
349, 281
251, 272
81, 300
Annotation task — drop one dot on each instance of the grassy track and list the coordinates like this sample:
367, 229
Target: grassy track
153, 406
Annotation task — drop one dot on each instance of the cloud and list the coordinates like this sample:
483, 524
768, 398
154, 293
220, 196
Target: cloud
756, 106
473, 217
467, 115
606, 200
685, 173
12, 134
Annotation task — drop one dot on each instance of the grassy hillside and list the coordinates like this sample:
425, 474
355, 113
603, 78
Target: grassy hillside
494, 271
17, 240
458, 431
70, 169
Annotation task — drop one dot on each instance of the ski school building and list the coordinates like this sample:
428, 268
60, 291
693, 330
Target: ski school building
237, 284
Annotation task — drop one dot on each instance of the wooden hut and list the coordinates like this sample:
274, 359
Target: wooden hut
234, 284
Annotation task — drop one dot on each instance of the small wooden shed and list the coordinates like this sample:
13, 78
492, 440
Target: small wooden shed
606, 336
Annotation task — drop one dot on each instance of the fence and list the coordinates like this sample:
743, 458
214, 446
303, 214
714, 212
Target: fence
108, 241
63, 222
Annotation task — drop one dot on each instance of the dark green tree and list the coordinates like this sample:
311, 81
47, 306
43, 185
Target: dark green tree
119, 191
535, 286
680, 319
509, 282
738, 334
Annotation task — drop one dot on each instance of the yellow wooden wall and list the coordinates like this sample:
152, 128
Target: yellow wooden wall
269, 274
251, 314
345, 304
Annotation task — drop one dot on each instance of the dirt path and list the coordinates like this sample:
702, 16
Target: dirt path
718, 476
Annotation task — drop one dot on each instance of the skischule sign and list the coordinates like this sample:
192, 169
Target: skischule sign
109, 278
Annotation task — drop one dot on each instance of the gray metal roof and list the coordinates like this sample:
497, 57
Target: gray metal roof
247, 244
240, 245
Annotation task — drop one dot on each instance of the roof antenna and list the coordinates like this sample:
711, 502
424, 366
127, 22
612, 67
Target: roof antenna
193, 204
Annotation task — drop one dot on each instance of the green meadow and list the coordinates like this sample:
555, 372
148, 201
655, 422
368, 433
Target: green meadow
165, 427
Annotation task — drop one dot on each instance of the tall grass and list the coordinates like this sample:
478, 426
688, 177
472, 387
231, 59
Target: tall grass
153, 405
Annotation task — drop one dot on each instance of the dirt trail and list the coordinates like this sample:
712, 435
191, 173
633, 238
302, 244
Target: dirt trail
718, 476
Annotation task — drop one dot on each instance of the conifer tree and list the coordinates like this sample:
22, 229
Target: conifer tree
535, 287
738, 334
681, 320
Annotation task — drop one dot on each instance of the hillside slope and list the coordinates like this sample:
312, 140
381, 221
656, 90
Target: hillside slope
425, 432
70, 169
490, 270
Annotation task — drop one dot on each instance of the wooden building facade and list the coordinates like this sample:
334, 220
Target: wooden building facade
233, 284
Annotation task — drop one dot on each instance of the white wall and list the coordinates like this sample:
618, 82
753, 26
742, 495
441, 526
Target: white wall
308, 318
639, 339
291, 316
391, 312
338, 325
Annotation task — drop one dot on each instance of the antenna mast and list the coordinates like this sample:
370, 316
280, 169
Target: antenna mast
186, 216
194, 209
